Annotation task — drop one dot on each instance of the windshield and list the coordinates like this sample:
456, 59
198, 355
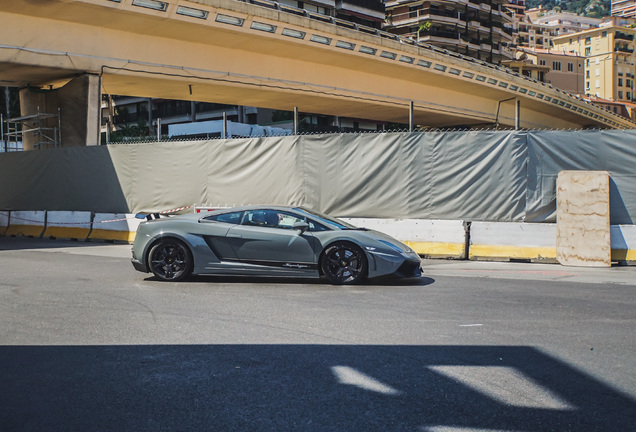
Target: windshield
326, 219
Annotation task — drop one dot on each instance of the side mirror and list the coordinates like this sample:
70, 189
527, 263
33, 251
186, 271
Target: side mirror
302, 226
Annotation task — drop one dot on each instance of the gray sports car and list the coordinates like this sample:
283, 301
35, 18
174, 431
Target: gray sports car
268, 241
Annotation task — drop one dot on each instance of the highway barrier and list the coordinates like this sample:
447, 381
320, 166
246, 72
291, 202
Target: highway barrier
623, 243
26, 223
74, 225
506, 241
429, 238
4, 222
491, 241
114, 227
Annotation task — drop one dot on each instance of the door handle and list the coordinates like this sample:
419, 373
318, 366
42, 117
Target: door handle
234, 236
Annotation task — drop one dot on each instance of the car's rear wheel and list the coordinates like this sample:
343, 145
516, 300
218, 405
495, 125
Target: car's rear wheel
344, 263
170, 260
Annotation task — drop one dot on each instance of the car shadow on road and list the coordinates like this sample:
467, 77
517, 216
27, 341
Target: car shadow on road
421, 281
302, 388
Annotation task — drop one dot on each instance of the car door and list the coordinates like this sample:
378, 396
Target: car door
215, 254
266, 243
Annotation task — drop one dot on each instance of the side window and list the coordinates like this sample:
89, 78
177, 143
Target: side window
315, 226
231, 218
287, 220
278, 219
263, 218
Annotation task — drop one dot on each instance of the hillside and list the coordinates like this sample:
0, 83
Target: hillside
590, 8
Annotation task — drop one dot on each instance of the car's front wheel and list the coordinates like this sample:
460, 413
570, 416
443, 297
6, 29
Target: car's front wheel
344, 263
170, 260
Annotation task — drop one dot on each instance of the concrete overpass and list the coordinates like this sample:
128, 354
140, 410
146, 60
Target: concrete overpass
228, 51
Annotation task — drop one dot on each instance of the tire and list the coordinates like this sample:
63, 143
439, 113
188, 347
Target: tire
170, 260
344, 263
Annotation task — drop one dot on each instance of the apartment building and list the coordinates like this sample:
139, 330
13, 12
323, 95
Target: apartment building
624, 8
566, 22
481, 29
532, 35
609, 60
525, 32
536, 27
369, 13
563, 70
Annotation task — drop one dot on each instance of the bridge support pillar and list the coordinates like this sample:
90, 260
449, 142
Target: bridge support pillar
79, 104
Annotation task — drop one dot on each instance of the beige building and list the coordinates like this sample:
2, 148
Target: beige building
480, 29
609, 60
562, 70
535, 28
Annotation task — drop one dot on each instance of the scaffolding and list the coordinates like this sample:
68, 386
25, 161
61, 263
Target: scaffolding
43, 126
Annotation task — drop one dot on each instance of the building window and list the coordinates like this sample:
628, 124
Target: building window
628, 83
620, 82
570, 67
541, 62
598, 84
588, 51
587, 74
588, 40
629, 96
604, 34
556, 65
620, 94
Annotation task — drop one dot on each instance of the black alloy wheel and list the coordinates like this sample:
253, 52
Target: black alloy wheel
170, 260
344, 264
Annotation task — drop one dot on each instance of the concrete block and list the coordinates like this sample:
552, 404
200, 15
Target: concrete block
503, 241
429, 238
114, 227
68, 224
27, 223
583, 219
623, 243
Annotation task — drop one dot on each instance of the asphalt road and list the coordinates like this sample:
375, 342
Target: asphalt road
88, 344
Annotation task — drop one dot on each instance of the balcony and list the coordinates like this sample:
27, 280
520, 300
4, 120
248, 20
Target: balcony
623, 36
443, 13
621, 49
445, 34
